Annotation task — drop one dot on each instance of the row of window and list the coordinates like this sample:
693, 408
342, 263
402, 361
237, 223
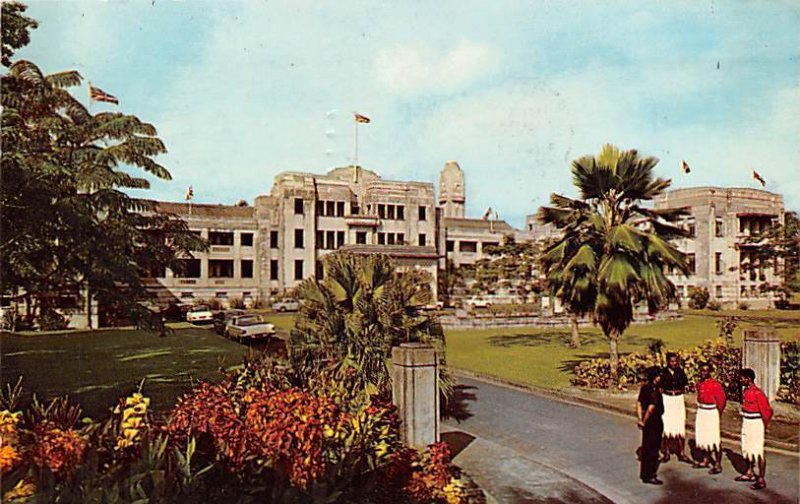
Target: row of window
217, 268
467, 246
744, 291
388, 211
226, 238
329, 240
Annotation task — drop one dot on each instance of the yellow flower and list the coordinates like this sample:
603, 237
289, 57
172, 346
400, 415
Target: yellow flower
132, 423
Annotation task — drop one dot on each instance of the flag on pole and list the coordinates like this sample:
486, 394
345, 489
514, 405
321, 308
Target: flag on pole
98, 94
189, 194
361, 118
758, 177
487, 213
685, 167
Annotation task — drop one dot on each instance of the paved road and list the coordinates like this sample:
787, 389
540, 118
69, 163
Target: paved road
597, 448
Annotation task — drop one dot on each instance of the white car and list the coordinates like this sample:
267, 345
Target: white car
477, 302
199, 313
249, 327
287, 304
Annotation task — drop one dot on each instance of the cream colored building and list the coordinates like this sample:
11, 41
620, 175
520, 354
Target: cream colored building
721, 220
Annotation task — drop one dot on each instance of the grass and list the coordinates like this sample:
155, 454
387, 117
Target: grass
96, 368
542, 357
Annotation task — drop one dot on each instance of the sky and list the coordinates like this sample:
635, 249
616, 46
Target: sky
513, 91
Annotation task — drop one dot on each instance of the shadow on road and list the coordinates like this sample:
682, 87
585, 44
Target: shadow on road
457, 406
677, 488
457, 441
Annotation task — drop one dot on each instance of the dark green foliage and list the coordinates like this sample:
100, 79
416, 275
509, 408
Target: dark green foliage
790, 372
512, 265
15, 28
698, 298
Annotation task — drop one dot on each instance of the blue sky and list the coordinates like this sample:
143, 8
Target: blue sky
513, 91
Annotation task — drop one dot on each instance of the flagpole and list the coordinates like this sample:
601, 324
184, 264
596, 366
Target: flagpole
355, 149
89, 92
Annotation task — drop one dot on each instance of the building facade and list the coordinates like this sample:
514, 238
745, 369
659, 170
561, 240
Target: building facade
722, 222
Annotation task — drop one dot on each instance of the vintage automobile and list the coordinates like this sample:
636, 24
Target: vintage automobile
199, 313
223, 318
285, 305
249, 327
477, 302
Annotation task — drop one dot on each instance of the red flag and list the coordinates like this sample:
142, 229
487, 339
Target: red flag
362, 118
487, 214
758, 177
98, 94
685, 167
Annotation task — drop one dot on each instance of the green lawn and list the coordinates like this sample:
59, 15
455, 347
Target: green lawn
541, 356
95, 368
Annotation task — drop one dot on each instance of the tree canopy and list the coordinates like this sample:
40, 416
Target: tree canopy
613, 251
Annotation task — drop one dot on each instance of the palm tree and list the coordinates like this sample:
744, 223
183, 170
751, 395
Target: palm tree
357, 313
613, 251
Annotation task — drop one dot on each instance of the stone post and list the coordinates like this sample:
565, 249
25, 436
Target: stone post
415, 392
762, 353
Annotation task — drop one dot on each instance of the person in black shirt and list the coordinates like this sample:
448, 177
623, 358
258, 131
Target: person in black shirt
673, 384
649, 408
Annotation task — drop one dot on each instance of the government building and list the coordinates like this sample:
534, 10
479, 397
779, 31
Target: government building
260, 251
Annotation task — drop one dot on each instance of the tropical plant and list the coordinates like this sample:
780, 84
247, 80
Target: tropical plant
698, 298
68, 220
613, 251
354, 316
511, 264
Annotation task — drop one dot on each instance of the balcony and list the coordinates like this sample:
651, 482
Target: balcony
362, 220
220, 249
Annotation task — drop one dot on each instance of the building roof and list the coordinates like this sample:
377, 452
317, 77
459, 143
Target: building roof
497, 226
404, 251
205, 210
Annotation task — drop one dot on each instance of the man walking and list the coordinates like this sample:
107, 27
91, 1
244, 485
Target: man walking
710, 405
756, 414
673, 383
649, 408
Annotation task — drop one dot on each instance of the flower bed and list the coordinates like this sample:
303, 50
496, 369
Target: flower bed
262, 434
595, 373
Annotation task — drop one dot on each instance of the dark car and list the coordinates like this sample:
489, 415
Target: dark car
222, 318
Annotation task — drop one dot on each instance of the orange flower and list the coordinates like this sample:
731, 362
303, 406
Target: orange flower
56, 449
8, 458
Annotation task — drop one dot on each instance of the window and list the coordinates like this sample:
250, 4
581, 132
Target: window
423, 213
298, 206
467, 246
298, 238
390, 212
718, 291
381, 238
339, 238
361, 237
449, 246
220, 238
691, 228
319, 272
330, 208
743, 291
320, 207
220, 268
354, 209
298, 269
247, 268
329, 236
221, 295
320, 241
190, 269
679, 290
401, 238
421, 240
246, 240
401, 212
273, 239
690, 260
382, 211
390, 239
340, 209
273, 269
718, 262
718, 228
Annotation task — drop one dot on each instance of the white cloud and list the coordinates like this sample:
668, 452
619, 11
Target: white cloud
419, 68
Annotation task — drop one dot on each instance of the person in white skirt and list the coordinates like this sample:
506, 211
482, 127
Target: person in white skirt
756, 414
673, 384
711, 402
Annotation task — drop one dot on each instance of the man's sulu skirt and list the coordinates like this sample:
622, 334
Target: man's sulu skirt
674, 416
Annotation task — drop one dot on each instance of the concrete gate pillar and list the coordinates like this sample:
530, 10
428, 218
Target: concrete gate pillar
415, 392
762, 353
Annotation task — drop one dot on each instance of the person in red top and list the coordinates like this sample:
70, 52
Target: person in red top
710, 405
756, 414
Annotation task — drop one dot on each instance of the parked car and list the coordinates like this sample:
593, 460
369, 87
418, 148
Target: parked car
477, 302
287, 304
438, 305
249, 327
199, 313
223, 318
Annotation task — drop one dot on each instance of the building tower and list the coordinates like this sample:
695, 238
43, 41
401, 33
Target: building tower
451, 190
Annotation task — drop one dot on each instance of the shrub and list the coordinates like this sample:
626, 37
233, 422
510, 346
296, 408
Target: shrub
790, 372
51, 320
714, 305
698, 298
744, 305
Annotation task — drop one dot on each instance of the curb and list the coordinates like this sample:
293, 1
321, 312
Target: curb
769, 444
